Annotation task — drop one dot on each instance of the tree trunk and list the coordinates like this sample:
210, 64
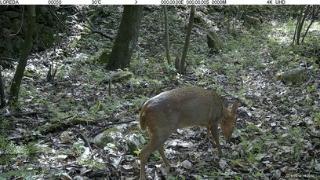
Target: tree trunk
315, 11
25, 51
167, 46
307, 30
126, 39
182, 69
299, 26
2, 95
296, 28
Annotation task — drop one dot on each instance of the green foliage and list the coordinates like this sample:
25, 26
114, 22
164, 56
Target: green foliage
112, 104
287, 55
312, 88
257, 147
4, 126
96, 107
104, 57
317, 118
245, 51
80, 94
31, 150
10, 151
91, 163
138, 102
254, 148
297, 137
169, 69
7, 150
77, 149
26, 173
253, 129
151, 68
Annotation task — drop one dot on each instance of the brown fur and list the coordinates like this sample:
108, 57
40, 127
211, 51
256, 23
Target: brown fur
179, 108
143, 119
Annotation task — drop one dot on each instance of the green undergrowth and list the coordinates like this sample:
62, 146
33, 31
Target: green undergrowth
12, 153
80, 93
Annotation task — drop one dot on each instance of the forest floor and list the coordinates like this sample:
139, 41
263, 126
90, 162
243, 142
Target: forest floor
72, 128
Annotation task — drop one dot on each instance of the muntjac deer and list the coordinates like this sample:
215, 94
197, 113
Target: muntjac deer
179, 108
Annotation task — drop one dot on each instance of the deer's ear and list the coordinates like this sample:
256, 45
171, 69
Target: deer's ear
235, 107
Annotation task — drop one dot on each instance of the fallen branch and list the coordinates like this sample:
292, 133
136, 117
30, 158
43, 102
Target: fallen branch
111, 124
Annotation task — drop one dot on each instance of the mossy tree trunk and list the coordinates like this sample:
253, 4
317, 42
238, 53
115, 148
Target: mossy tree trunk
182, 69
2, 95
25, 51
126, 39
